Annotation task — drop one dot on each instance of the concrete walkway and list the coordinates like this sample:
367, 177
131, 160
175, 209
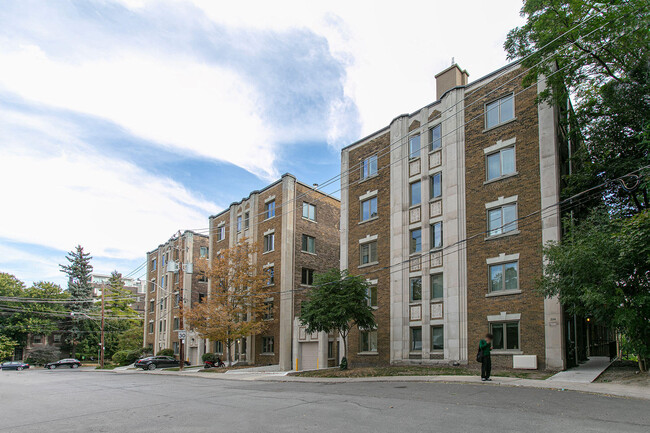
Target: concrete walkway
584, 373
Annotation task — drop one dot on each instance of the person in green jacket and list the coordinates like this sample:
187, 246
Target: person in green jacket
486, 362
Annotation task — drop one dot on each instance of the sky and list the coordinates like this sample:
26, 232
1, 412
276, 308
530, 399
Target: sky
122, 122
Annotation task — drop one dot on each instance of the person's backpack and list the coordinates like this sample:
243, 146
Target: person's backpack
479, 354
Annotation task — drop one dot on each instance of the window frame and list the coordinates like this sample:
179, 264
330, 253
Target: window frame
432, 195
270, 271
370, 215
305, 242
411, 195
413, 247
207, 251
501, 228
411, 297
371, 292
309, 273
442, 328
269, 207
505, 324
221, 232
442, 286
432, 236
269, 239
369, 250
412, 347
366, 167
499, 102
500, 152
502, 265
268, 312
239, 223
368, 333
431, 141
308, 206
410, 141
268, 343
247, 220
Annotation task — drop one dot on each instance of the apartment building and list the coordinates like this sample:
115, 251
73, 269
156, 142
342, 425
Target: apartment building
445, 211
170, 271
297, 229
135, 286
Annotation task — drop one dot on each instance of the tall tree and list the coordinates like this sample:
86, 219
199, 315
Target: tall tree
235, 304
79, 271
338, 302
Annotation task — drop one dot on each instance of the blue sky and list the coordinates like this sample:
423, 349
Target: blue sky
122, 122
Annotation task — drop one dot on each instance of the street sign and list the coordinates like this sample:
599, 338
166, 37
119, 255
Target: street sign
182, 335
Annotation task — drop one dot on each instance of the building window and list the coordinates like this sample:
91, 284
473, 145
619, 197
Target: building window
309, 211
218, 347
504, 276
269, 242
201, 297
268, 310
160, 326
371, 294
437, 338
369, 167
499, 111
369, 209
436, 235
177, 277
267, 344
436, 185
501, 163
247, 220
414, 194
437, 291
308, 244
269, 208
330, 349
203, 251
368, 253
307, 277
221, 233
150, 327
506, 335
152, 285
414, 146
153, 264
368, 341
239, 223
270, 272
164, 259
502, 219
176, 323
161, 304
415, 241
56, 338
435, 137
176, 347
415, 289
37, 339
152, 306
416, 339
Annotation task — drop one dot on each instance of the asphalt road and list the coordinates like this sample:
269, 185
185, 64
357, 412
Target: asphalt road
87, 401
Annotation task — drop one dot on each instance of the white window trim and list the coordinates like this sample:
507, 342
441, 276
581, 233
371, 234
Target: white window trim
268, 265
372, 282
269, 199
501, 201
501, 144
269, 231
502, 258
367, 239
504, 317
368, 195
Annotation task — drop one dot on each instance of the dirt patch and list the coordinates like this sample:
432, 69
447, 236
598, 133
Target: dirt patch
625, 372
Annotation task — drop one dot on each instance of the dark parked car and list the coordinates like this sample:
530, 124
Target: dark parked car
153, 362
68, 362
13, 365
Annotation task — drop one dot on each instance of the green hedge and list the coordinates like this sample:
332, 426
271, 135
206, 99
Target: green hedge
166, 352
126, 357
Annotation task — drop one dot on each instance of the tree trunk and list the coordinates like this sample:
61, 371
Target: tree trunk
642, 364
228, 342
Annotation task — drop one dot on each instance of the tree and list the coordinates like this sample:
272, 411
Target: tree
601, 270
6, 347
234, 307
79, 271
43, 355
131, 339
338, 302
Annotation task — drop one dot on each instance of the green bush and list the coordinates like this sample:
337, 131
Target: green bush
126, 357
344, 363
43, 355
209, 357
165, 352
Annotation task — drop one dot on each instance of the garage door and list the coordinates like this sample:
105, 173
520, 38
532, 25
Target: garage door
309, 355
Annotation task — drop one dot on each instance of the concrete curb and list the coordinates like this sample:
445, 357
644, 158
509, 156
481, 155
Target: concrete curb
609, 389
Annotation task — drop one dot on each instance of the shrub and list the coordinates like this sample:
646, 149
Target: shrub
344, 363
165, 352
209, 357
43, 355
126, 357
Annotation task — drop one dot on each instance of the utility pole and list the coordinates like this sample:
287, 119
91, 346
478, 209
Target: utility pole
181, 348
101, 343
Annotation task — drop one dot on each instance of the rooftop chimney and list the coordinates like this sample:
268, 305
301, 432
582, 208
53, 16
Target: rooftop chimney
449, 78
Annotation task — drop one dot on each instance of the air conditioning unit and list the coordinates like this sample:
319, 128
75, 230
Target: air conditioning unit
172, 267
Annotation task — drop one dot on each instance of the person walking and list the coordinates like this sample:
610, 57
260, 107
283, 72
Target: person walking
484, 347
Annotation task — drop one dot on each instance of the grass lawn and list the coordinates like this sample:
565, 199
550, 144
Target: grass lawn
223, 370
626, 373
415, 370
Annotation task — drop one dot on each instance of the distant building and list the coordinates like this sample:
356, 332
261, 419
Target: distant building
135, 286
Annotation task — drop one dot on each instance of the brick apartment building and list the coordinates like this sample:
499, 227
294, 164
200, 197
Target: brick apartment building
297, 229
445, 212
135, 286
170, 268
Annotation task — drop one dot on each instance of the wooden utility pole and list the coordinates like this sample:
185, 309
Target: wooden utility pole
101, 343
181, 348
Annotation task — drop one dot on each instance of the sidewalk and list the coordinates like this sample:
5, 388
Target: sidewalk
610, 389
584, 373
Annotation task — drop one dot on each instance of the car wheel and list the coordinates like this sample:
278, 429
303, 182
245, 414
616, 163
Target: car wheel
52, 367
74, 366
151, 367
20, 369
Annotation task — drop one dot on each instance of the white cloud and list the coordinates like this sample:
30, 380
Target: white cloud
59, 193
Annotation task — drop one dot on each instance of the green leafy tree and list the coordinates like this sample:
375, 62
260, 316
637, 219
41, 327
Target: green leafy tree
43, 355
79, 327
601, 270
338, 302
131, 339
7, 346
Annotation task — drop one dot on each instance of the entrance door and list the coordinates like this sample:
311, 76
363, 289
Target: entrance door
309, 356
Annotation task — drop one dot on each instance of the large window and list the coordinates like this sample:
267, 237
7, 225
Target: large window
414, 146
221, 233
307, 277
415, 241
369, 167
268, 310
152, 306
416, 339
218, 347
435, 137
415, 196
267, 344
309, 244
415, 289
371, 294
239, 223
437, 338
309, 211
269, 242
369, 209
499, 111
150, 327
153, 264
436, 185
504, 276
368, 341
502, 219
506, 335
269, 209
436, 235
203, 251
247, 220
437, 291
501, 163
270, 272
176, 323
368, 253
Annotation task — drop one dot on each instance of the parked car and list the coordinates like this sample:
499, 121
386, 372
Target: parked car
68, 362
153, 362
14, 365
